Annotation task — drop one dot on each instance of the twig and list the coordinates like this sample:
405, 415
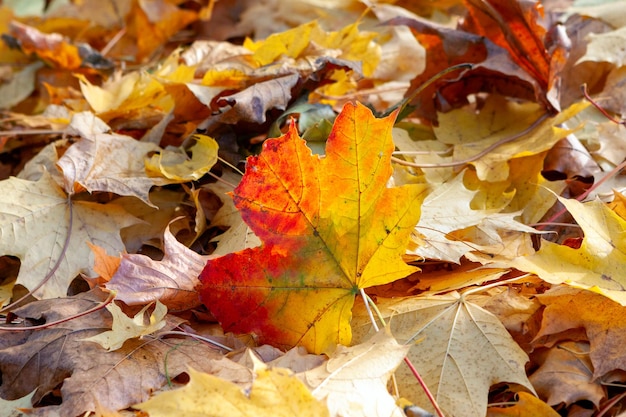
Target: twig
54, 323
479, 155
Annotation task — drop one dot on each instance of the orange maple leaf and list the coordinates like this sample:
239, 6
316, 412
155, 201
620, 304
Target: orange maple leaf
329, 227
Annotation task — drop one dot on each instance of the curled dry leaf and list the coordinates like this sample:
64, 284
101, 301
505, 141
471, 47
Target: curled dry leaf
140, 280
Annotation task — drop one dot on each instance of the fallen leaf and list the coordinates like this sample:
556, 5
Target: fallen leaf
140, 280
598, 265
275, 392
606, 47
108, 162
238, 236
353, 382
447, 209
514, 26
602, 320
526, 405
21, 85
565, 375
55, 49
49, 232
329, 227
251, 104
125, 328
178, 167
451, 340
87, 374
104, 265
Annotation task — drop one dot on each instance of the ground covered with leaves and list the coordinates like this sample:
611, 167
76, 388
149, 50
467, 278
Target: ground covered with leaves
312, 208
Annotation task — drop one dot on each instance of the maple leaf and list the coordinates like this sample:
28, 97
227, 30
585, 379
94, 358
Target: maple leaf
48, 232
353, 382
275, 392
597, 265
452, 339
125, 328
328, 227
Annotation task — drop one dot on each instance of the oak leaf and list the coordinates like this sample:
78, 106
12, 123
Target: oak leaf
599, 263
275, 392
49, 233
329, 228
451, 340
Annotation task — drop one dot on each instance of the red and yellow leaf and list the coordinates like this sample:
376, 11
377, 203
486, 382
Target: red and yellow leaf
329, 227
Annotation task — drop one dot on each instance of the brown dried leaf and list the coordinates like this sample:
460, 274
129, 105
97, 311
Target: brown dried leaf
45, 359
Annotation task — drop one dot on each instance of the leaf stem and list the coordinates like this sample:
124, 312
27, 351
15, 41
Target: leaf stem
198, 337
430, 396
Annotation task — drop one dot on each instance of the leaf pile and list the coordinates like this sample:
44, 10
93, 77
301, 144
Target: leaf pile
268, 206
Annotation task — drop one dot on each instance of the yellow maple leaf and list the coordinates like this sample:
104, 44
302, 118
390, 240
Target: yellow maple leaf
125, 328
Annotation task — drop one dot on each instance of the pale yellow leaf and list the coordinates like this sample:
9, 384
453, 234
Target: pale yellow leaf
598, 265
276, 392
353, 382
448, 209
499, 120
125, 328
49, 233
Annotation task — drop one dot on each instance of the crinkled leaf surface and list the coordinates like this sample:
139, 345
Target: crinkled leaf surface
603, 321
600, 262
172, 280
109, 162
329, 227
49, 233
453, 340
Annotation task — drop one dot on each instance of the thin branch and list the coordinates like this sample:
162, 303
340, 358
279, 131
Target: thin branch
100, 306
479, 155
